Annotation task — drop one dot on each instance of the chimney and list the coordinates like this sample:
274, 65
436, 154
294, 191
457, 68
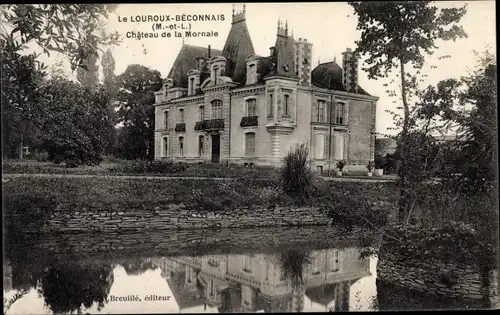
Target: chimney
350, 71
271, 51
303, 57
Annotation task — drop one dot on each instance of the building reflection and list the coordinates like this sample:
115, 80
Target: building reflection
256, 282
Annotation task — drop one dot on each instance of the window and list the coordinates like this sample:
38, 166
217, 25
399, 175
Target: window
201, 139
165, 146
270, 106
252, 74
202, 113
267, 270
319, 146
217, 109
287, 105
189, 274
334, 260
339, 113
216, 70
251, 107
181, 115
320, 114
250, 144
212, 287
339, 147
165, 119
316, 265
192, 87
247, 264
181, 146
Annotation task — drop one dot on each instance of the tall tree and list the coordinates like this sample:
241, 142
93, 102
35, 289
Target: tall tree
136, 111
89, 75
399, 35
110, 86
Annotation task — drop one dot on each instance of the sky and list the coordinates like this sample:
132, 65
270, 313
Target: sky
330, 27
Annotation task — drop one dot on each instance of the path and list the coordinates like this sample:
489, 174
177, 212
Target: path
383, 179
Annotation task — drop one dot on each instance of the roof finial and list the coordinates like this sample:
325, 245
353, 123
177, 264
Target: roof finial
286, 28
233, 10
318, 61
334, 57
244, 7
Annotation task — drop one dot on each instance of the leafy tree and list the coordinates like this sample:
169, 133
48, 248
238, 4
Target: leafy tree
75, 121
75, 30
21, 77
398, 35
136, 111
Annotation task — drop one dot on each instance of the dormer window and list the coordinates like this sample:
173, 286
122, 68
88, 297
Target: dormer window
216, 72
191, 86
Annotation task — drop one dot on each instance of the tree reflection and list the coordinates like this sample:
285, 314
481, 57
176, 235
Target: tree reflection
138, 266
67, 286
293, 263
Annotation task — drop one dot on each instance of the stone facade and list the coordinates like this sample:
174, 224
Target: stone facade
269, 105
424, 276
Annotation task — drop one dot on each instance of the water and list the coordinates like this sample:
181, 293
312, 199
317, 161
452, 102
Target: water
267, 270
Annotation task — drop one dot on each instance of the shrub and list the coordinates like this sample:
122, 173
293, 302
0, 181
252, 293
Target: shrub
296, 175
370, 166
341, 164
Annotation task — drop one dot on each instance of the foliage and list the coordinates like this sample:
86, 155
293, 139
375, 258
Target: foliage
450, 242
75, 121
296, 175
341, 164
75, 30
88, 74
144, 166
66, 287
293, 264
21, 77
370, 166
394, 35
136, 111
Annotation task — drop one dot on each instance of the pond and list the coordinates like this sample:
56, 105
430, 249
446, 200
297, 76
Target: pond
260, 272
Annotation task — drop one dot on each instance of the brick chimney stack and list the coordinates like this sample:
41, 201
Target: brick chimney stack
350, 71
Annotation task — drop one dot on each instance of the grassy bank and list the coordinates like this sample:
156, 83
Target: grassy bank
149, 168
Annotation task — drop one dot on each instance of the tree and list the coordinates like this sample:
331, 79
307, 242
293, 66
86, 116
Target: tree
75, 122
110, 86
399, 35
136, 111
21, 77
89, 75
75, 30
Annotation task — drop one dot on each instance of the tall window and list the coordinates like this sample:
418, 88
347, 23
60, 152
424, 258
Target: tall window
319, 146
320, 114
202, 113
165, 146
250, 144
270, 106
339, 147
217, 109
251, 107
334, 260
216, 70
247, 263
200, 145
339, 113
191, 86
316, 265
165, 119
287, 105
181, 146
181, 115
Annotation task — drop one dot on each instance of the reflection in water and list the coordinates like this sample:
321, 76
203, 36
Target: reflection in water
287, 281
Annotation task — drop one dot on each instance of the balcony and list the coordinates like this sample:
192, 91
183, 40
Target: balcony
249, 121
208, 125
181, 127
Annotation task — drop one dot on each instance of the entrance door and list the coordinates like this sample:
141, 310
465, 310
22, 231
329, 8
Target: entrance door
215, 148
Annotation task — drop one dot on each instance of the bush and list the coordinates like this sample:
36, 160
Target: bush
296, 175
341, 164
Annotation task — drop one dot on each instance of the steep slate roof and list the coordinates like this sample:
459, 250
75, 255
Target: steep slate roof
237, 48
284, 52
186, 60
328, 75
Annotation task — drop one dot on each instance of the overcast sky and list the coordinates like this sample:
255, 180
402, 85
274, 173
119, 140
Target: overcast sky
330, 27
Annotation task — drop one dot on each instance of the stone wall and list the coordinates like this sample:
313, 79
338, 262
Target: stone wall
425, 276
172, 217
